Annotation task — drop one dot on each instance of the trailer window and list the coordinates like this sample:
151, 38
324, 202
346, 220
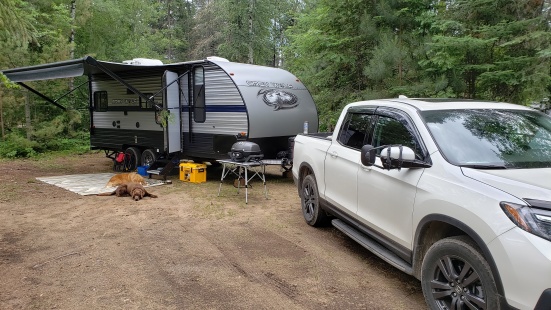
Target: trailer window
199, 112
147, 104
100, 101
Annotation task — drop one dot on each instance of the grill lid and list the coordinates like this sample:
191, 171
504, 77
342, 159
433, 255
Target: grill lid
243, 151
245, 146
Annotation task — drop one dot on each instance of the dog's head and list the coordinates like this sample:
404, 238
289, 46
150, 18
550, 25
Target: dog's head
121, 191
137, 193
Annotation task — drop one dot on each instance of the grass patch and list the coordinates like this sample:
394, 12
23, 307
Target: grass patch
9, 192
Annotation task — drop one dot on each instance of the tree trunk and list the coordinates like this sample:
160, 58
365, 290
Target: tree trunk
1, 115
251, 32
72, 39
72, 45
28, 115
170, 27
400, 64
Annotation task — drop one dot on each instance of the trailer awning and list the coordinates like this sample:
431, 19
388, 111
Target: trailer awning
56, 70
71, 68
84, 66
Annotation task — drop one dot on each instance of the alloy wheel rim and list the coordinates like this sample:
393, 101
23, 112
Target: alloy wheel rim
309, 202
457, 285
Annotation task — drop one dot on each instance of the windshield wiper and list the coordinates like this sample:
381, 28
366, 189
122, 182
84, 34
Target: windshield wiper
483, 166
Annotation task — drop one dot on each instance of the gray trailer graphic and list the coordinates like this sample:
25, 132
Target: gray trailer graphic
208, 103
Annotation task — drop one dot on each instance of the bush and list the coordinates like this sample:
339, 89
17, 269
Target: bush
17, 146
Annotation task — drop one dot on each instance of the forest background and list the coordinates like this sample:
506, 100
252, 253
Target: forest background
343, 51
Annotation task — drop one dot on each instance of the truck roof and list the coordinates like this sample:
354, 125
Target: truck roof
424, 104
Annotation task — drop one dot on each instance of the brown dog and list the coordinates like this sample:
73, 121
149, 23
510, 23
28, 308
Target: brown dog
121, 191
123, 178
137, 191
132, 189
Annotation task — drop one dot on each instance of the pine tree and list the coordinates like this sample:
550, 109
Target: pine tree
491, 49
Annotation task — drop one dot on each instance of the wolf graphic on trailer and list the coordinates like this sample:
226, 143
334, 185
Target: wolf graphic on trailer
195, 110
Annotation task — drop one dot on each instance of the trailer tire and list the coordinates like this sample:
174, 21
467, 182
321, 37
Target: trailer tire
132, 158
149, 156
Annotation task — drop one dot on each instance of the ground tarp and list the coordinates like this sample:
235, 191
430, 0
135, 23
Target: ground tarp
88, 184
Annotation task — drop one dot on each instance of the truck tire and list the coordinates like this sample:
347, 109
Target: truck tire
149, 156
132, 158
313, 214
456, 276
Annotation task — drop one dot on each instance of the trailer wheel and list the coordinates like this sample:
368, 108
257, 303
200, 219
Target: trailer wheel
149, 156
132, 158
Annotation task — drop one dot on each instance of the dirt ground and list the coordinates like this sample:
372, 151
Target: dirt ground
187, 249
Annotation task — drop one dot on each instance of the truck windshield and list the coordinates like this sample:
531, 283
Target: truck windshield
492, 139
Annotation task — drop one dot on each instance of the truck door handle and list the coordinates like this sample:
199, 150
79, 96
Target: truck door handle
334, 154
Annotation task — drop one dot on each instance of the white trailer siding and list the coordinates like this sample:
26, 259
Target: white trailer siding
225, 110
145, 119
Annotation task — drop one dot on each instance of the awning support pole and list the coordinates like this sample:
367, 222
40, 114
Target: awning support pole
42, 96
123, 82
165, 87
68, 93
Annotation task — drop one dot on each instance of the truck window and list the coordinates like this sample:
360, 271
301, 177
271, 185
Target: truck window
391, 131
354, 130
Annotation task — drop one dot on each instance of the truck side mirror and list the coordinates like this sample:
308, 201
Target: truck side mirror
368, 153
396, 157
398, 153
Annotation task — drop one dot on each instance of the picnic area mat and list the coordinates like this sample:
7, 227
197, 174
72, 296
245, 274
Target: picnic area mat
88, 184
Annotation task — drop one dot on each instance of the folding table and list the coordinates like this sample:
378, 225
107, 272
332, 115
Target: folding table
241, 169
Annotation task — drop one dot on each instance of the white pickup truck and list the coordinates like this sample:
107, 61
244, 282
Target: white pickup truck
454, 192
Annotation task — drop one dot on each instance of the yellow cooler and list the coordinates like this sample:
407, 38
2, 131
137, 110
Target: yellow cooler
192, 172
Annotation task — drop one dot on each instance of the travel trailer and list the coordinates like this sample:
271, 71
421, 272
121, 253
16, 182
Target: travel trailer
195, 109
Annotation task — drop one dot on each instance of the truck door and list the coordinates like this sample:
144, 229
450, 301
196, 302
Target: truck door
386, 197
171, 102
343, 160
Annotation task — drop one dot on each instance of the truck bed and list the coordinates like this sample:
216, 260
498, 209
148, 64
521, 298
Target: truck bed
320, 135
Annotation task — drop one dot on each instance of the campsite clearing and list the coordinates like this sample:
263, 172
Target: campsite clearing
187, 249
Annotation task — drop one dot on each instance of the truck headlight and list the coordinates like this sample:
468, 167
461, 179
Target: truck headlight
533, 220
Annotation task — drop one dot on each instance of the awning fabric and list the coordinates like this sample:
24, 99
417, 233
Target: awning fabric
70, 68
90, 67
56, 70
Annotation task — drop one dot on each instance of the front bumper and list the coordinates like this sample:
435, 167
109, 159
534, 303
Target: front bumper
524, 264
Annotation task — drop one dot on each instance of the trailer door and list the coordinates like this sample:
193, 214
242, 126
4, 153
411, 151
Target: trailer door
171, 102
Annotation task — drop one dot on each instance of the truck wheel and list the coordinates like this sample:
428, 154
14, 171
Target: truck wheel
132, 158
148, 157
456, 276
311, 210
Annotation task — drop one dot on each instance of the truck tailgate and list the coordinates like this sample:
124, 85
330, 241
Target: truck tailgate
312, 149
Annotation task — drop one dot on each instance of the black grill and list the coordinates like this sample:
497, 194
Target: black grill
243, 151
